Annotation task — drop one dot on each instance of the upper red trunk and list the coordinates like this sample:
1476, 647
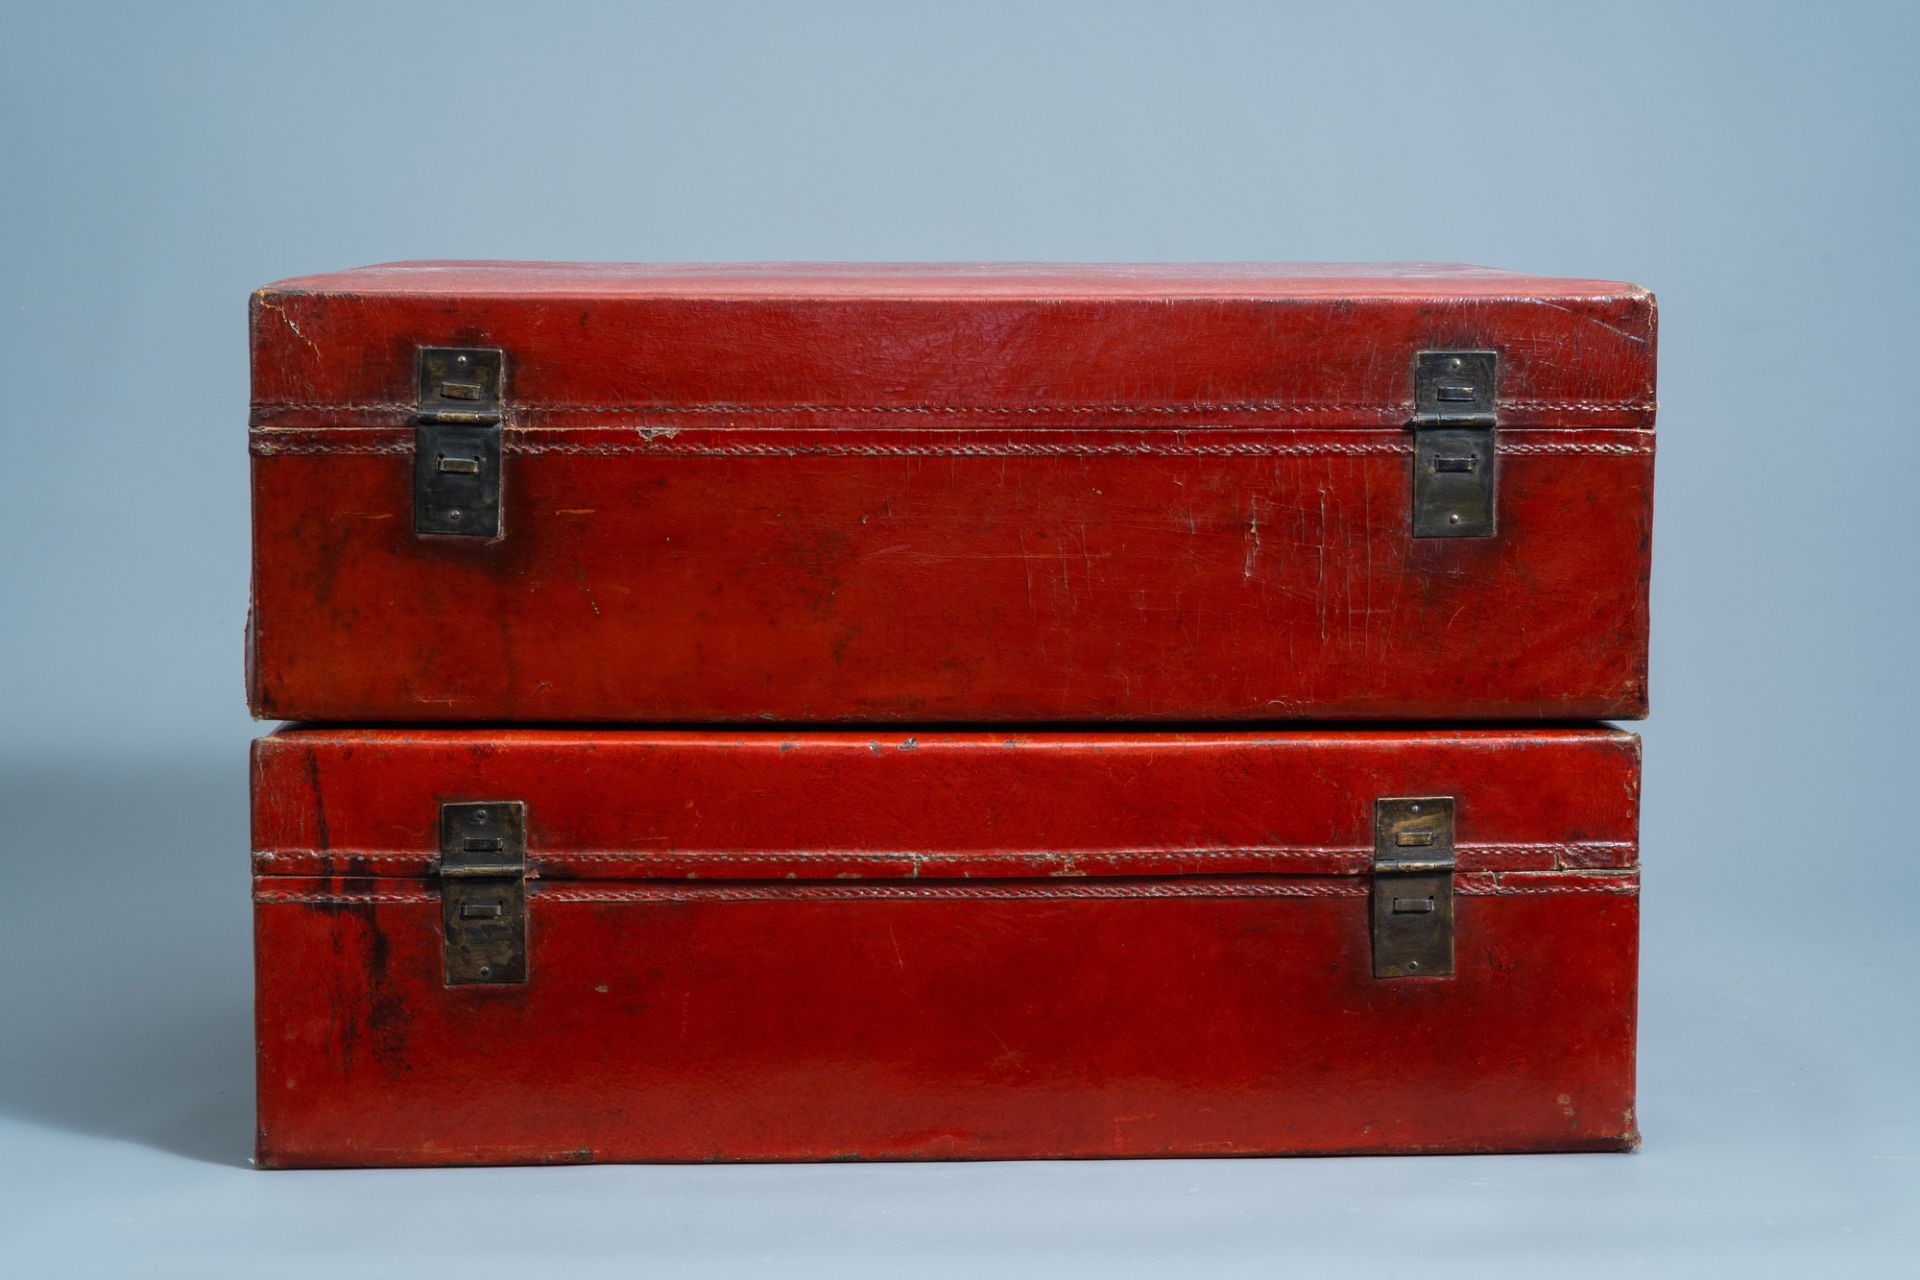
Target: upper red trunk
842, 494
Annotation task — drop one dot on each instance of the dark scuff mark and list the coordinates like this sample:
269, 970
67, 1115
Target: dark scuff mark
321, 837
343, 997
369, 1010
839, 643
388, 1019
329, 554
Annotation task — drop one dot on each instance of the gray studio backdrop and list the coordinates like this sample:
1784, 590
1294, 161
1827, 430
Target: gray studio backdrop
1755, 164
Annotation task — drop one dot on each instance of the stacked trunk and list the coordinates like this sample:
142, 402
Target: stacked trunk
1108, 711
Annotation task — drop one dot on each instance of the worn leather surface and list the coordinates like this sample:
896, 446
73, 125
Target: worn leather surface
819, 494
819, 946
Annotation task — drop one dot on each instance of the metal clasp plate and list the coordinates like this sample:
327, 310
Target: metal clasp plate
1454, 410
483, 891
456, 442
1413, 887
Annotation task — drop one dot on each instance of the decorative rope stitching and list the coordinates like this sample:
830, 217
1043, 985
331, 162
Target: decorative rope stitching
1044, 890
510, 444
1048, 891
998, 410
1509, 890
641, 858
267, 449
1040, 889
345, 855
1356, 852
752, 450
1548, 846
275, 897
832, 855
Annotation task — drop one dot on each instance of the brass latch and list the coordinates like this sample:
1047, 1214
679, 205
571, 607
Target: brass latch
1453, 429
483, 891
456, 442
1413, 887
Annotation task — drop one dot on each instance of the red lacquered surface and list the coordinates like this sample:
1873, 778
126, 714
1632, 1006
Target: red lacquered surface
942, 946
921, 494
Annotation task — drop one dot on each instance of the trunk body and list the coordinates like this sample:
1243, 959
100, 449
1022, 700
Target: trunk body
779, 946
834, 495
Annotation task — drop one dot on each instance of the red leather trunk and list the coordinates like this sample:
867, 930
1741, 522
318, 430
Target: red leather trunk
914, 494
777, 946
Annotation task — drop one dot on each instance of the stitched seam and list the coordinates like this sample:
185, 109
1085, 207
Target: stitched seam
837, 854
510, 445
342, 899
1042, 890
674, 449
1244, 406
1211, 851
1515, 890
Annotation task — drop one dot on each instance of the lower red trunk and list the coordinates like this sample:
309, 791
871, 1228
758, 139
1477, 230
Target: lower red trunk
984, 947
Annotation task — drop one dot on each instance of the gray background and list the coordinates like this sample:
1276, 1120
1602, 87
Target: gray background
1754, 164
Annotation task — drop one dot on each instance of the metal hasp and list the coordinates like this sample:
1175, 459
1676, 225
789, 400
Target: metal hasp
1453, 421
1413, 887
456, 442
483, 891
